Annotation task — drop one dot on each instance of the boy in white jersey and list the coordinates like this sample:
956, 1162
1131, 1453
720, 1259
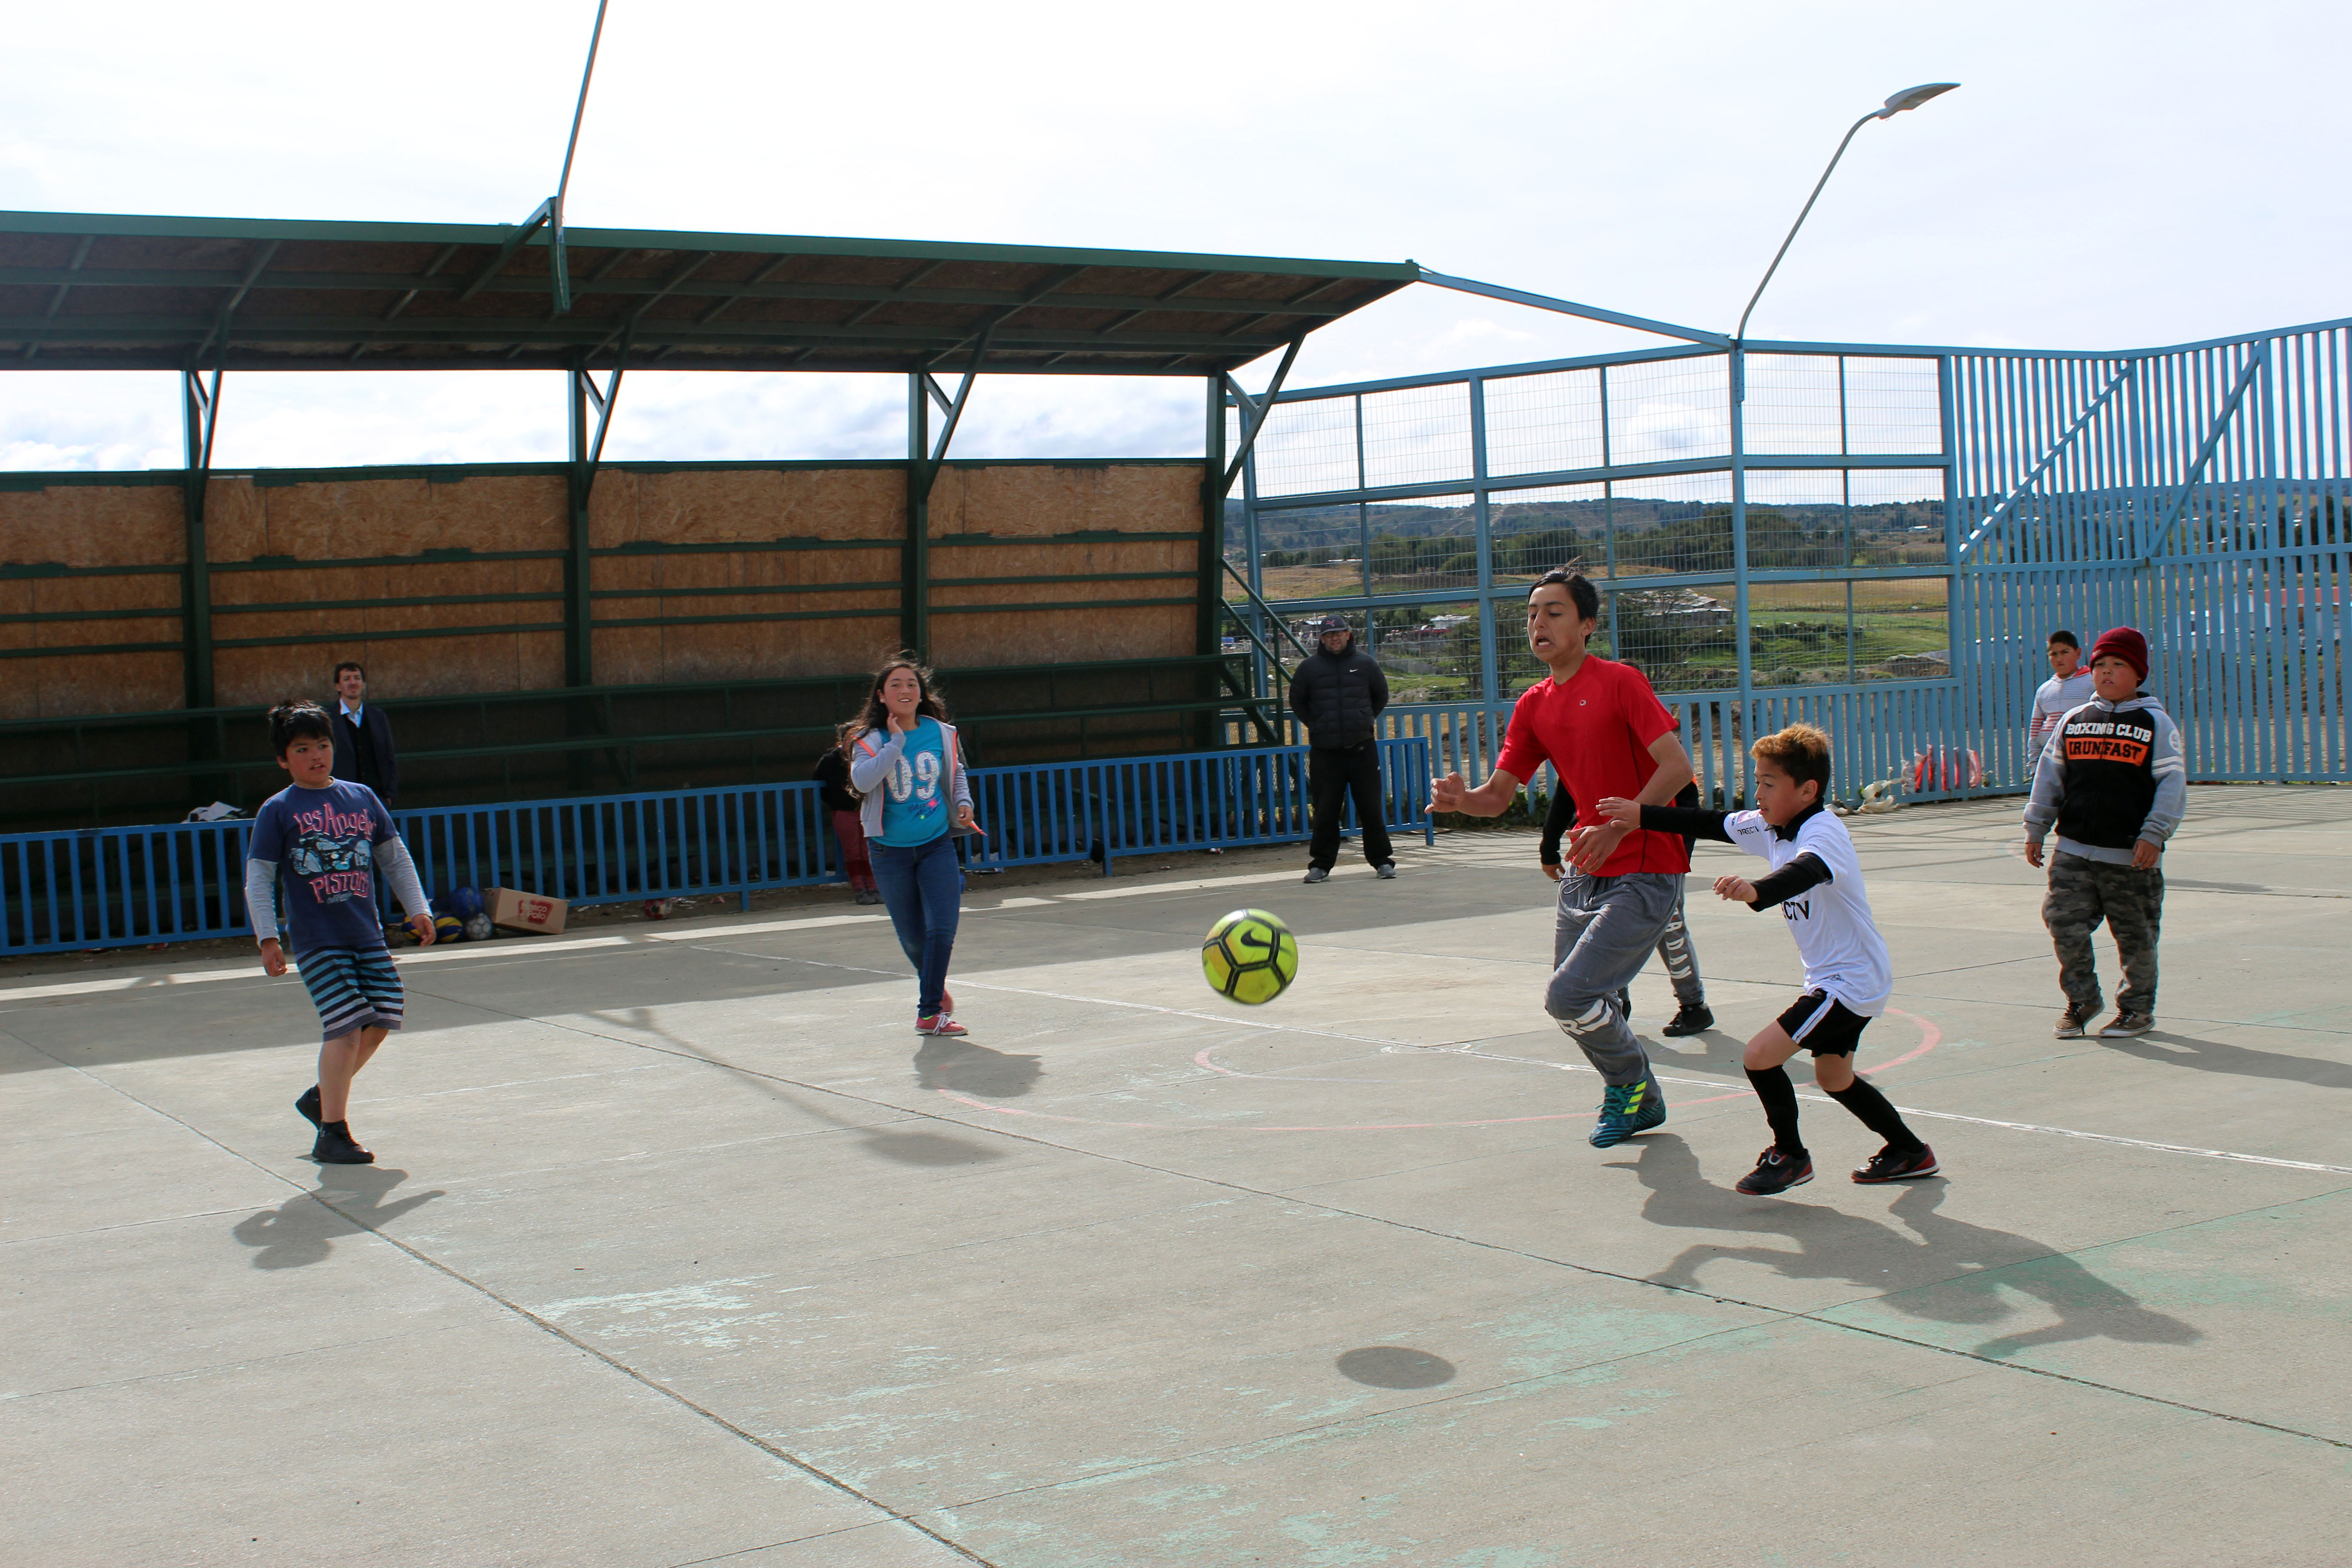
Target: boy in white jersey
1816, 881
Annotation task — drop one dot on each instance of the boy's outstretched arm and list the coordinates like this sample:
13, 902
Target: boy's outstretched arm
1489, 799
1593, 846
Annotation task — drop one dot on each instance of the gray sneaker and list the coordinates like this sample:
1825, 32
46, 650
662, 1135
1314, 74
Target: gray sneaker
2075, 1021
2124, 1025
1316, 874
1388, 870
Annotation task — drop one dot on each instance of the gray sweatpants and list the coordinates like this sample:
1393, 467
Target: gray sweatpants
1675, 953
1608, 926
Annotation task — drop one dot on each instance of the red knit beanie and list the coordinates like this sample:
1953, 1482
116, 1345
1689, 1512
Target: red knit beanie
2124, 644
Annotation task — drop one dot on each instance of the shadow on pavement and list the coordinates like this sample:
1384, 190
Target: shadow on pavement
348, 1201
902, 1147
1980, 1262
968, 1069
2239, 1061
1395, 1366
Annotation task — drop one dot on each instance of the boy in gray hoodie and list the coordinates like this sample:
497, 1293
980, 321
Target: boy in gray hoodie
2113, 783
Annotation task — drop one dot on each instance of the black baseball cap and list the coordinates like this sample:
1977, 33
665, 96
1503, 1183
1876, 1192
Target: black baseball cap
1332, 624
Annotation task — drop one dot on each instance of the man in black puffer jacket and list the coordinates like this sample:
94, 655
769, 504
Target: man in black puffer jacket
1338, 692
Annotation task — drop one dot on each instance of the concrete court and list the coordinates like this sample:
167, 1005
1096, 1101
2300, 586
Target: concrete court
681, 1251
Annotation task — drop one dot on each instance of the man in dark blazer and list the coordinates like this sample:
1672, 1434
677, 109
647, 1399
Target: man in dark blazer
363, 752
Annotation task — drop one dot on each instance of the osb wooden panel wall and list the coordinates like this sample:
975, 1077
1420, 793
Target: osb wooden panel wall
778, 519
1026, 502
801, 544
336, 520
85, 527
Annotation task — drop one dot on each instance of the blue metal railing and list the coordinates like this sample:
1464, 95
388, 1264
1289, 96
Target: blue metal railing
119, 886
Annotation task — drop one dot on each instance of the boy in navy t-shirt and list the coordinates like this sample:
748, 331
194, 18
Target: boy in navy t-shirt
323, 839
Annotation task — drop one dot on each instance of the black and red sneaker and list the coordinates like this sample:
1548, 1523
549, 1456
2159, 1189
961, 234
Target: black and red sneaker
1892, 1165
1776, 1172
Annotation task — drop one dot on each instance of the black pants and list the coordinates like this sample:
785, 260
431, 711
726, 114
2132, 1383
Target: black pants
1334, 773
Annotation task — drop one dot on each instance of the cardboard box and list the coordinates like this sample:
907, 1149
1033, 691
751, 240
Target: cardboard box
535, 912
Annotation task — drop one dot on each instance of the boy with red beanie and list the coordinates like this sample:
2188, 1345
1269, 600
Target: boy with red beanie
2113, 783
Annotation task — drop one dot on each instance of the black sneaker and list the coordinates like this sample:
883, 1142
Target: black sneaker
1776, 1172
309, 1104
335, 1147
1892, 1164
1692, 1019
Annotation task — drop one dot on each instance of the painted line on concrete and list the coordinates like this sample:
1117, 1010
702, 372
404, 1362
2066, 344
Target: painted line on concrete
1934, 1038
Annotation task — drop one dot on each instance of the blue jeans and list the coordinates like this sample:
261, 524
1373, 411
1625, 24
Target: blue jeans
923, 890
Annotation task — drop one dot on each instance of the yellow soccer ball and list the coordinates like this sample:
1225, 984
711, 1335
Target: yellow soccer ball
1250, 957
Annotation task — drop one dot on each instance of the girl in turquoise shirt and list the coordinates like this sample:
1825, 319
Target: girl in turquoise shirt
905, 762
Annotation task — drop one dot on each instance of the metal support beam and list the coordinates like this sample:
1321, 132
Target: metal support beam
1570, 308
587, 452
1742, 616
1255, 412
915, 571
1209, 636
200, 418
955, 408
2002, 513
57, 299
539, 217
628, 326
2147, 543
200, 422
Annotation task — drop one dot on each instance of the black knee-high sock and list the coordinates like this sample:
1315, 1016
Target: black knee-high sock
1876, 1113
1780, 1098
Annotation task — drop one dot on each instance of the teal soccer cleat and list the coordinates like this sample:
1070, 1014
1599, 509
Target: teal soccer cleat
1628, 1109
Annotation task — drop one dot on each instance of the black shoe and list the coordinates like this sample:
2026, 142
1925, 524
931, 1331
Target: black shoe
1890, 1164
335, 1147
1694, 1018
1776, 1172
309, 1104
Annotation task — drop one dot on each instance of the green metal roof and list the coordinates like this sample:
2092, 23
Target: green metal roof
86, 291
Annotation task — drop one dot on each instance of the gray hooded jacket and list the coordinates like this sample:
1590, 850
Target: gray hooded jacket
2052, 777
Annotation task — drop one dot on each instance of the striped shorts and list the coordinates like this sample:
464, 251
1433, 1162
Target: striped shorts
353, 988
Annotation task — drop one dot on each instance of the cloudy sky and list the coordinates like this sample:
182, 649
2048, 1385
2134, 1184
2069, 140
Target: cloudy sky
2111, 174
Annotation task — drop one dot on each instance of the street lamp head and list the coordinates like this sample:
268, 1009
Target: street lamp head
1912, 97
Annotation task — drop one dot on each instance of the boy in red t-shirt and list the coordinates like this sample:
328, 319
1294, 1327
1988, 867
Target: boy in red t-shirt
1606, 734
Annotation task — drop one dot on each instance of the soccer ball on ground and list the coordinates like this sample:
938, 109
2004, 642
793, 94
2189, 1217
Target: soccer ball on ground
1250, 957
478, 927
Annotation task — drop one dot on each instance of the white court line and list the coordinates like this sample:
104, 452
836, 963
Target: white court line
1935, 1115
708, 932
533, 945
527, 947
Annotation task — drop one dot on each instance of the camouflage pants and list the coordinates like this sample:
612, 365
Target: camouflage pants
2082, 894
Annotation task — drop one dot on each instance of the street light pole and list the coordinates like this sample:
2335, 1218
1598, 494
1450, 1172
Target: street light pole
1742, 632
1909, 98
